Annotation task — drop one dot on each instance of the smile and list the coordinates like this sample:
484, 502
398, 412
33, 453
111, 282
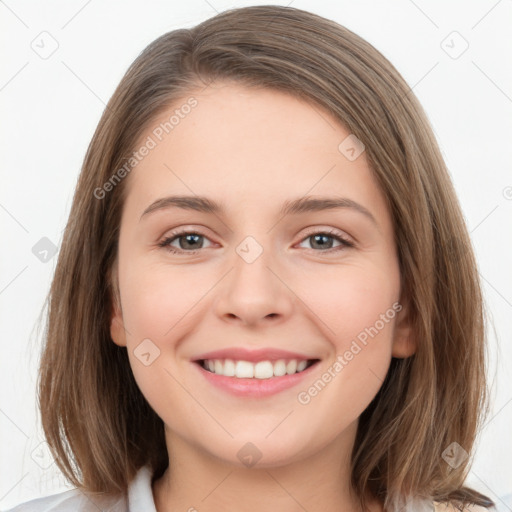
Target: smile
255, 380
259, 370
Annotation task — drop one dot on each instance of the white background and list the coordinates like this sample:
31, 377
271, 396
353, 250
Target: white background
50, 108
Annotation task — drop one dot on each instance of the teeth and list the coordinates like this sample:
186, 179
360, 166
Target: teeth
291, 367
229, 368
301, 365
259, 370
243, 369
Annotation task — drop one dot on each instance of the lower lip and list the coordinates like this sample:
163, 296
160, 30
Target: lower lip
257, 388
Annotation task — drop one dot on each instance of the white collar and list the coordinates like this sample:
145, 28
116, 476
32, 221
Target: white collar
140, 493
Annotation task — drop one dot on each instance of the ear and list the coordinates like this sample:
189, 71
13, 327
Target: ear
404, 342
117, 330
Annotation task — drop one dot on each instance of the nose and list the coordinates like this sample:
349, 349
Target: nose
253, 293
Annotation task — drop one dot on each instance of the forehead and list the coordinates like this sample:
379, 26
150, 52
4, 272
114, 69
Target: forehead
248, 147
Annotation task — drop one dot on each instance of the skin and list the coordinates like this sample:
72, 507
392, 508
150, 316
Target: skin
253, 149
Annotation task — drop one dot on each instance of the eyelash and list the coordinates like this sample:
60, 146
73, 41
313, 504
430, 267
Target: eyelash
175, 235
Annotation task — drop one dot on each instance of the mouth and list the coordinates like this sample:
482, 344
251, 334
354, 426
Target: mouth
266, 369
255, 379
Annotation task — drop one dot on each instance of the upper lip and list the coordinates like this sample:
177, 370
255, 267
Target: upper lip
254, 355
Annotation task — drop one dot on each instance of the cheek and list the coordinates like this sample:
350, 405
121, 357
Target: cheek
357, 310
165, 306
358, 322
157, 303
351, 300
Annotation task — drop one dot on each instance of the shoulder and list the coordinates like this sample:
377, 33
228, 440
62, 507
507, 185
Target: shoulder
72, 500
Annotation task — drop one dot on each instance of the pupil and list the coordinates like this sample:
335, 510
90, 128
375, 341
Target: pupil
322, 245
189, 239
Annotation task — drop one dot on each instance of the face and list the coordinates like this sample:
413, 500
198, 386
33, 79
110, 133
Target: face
321, 284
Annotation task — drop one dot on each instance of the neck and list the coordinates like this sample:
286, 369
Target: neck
196, 480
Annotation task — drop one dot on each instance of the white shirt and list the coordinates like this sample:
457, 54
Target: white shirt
140, 499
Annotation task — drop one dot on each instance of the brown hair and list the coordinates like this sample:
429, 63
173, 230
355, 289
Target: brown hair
99, 426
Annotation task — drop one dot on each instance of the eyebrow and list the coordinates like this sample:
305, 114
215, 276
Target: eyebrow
290, 207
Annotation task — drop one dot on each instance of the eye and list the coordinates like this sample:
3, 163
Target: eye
186, 240
190, 242
320, 239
